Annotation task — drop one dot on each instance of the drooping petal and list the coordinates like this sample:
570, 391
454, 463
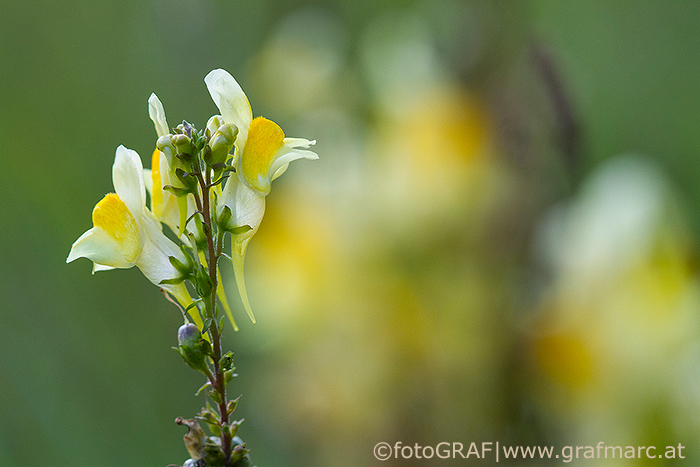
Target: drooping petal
286, 155
157, 114
238, 261
221, 293
114, 241
231, 101
127, 176
295, 143
247, 208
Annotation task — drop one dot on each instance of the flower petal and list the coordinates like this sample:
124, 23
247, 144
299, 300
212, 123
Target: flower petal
231, 101
287, 155
238, 260
247, 206
114, 240
101, 248
154, 260
299, 142
127, 176
157, 114
264, 141
221, 292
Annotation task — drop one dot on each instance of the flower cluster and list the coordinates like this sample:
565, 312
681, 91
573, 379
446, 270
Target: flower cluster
203, 184
236, 157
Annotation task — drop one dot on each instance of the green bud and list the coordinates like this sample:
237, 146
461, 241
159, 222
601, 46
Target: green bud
188, 335
226, 361
213, 455
221, 143
183, 269
189, 182
224, 217
214, 123
192, 348
239, 454
232, 404
233, 428
185, 128
202, 282
184, 147
165, 145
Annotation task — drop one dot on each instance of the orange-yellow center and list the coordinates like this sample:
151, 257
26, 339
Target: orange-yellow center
264, 139
112, 216
157, 192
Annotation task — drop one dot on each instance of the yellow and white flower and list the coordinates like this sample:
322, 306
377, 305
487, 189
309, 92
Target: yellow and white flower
262, 153
126, 234
164, 204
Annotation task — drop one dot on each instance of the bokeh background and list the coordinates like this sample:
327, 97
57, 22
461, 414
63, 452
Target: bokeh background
498, 243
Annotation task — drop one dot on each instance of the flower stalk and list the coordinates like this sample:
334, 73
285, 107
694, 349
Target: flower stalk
202, 185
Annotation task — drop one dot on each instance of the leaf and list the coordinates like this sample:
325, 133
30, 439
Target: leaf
207, 324
215, 396
204, 386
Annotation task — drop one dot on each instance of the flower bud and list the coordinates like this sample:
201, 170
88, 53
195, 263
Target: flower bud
165, 145
183, 144
214, 123
192, 348
188, 335
222, 143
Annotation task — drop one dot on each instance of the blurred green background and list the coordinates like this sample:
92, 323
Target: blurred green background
498, 243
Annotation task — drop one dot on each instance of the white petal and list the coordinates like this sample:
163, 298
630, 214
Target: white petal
157, 114
127, 176
99, 247
238, 260
299, 142
280, 171
247, 205
286, 155
153, 260
148, 181
231, 101
247, 208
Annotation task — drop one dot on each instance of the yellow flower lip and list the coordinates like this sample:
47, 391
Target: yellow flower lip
113, 217
157, 204
265, 139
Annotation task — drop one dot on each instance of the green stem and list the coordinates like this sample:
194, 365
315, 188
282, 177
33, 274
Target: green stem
213, 253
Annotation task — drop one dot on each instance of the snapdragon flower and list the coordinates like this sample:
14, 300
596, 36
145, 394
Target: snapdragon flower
262, 153
126, 234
